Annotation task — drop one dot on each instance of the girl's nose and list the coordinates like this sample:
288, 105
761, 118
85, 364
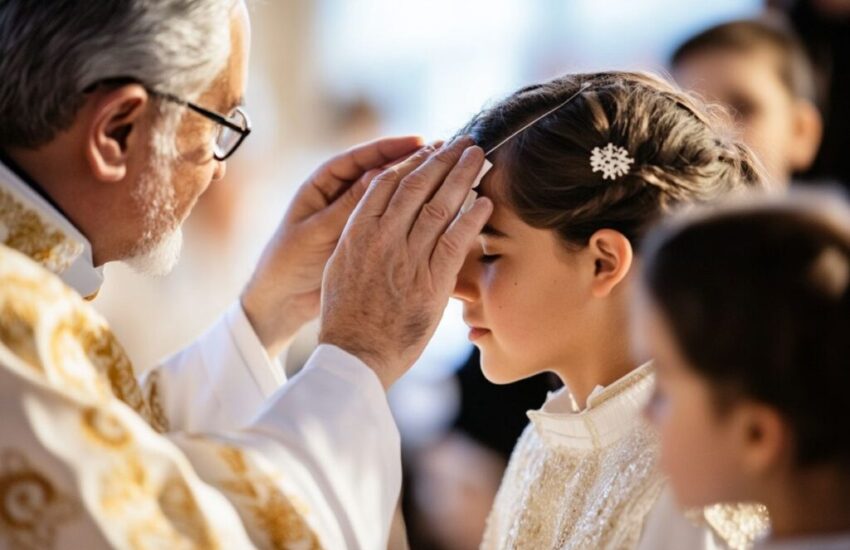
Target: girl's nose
466, 287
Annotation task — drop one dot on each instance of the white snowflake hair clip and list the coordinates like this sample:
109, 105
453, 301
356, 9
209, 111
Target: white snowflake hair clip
612, 160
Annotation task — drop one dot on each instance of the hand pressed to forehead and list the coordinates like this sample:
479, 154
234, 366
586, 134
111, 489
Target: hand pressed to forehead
284, 291
389, 280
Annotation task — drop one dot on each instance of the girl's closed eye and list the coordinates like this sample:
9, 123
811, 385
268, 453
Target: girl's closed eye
488, 258
489, 250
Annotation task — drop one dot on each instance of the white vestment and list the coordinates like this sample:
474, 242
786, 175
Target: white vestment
215, 449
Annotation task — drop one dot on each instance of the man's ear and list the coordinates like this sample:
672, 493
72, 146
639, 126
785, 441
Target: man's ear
114, 130
764, 437
612, 254
808, 132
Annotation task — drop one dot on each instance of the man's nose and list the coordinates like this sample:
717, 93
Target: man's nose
220, 169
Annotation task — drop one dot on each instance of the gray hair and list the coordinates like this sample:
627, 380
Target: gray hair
51, 51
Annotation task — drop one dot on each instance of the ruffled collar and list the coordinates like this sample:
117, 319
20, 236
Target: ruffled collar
611, 412
36, 228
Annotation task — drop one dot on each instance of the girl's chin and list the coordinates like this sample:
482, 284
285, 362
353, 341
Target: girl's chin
499, 372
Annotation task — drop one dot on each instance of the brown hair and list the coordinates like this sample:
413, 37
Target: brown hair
757, 299
680, 154
792, 64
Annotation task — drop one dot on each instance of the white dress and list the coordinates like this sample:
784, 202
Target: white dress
590, 480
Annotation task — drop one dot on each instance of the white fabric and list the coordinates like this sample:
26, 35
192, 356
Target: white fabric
604, 421
326, 440
330, 433
221, 381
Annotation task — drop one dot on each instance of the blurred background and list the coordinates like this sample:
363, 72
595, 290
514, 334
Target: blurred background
326, 74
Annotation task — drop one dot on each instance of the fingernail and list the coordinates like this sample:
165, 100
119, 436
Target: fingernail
455, 142
466, 140
473, 150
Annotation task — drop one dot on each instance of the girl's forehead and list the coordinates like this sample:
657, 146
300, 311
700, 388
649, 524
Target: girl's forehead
493, 186
504, 217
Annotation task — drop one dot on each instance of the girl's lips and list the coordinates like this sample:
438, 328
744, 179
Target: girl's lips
475, 333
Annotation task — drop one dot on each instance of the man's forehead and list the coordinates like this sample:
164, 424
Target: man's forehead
229, 86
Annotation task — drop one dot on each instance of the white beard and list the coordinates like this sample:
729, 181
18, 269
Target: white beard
158, 251
159, 260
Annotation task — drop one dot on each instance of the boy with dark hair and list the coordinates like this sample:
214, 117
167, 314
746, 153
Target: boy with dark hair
760, 71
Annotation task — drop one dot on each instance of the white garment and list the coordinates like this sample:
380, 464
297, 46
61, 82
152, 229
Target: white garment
590, 479
245, 462
225, 398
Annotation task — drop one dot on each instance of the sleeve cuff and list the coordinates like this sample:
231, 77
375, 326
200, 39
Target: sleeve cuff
267, 373
346, 366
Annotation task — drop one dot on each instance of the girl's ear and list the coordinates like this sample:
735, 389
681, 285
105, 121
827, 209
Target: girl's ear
613, 256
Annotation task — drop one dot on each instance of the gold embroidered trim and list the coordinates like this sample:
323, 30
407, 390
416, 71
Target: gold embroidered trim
77, 344
17, 320
280, 517
126, 490
104, 428
32, 510
738, 525
556, 497
23, 229
158, 419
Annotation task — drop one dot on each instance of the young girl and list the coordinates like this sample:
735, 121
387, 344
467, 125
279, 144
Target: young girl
758, 411
549, 291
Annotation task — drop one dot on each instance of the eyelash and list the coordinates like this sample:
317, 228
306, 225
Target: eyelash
489, 258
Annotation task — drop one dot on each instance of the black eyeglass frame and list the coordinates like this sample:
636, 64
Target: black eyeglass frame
211, 115
215, 117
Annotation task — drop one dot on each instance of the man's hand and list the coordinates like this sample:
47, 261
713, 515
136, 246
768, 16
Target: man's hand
284, 292
388, 282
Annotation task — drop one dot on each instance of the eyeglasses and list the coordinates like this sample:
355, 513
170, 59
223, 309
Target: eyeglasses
232, 129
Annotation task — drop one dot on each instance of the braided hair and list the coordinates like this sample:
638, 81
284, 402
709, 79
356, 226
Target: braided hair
682, 153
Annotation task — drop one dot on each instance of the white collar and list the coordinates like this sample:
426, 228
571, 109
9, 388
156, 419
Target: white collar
611, 412
31, 225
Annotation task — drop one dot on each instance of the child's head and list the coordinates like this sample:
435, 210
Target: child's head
760, 70
549, 281
748, 316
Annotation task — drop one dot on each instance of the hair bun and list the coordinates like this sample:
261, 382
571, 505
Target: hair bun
829, 273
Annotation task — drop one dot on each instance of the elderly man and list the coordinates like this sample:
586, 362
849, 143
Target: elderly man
114, 118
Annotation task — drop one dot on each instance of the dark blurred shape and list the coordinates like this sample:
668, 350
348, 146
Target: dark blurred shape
824, 27
494, 415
